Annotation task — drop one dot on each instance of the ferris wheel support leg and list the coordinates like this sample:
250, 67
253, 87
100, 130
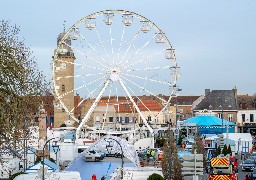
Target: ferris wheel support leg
136, 107
87, 116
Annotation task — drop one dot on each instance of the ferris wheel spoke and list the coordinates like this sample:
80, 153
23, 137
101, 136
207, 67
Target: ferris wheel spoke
141, 48
84, 85
86, 56
79, 75
101, 42
142, 88
138, 98
130, 44
87, 116
81, 65
148, 79
135, 105
146, 59
148, 69
121, 43
93, 48
111, 44
90, 93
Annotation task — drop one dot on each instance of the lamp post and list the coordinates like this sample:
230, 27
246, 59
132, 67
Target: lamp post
122, 166
221, 118
43, 153
56, 149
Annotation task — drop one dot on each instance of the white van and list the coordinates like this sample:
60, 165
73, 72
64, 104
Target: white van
92, 155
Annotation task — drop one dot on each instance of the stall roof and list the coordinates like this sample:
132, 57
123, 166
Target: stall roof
208, 121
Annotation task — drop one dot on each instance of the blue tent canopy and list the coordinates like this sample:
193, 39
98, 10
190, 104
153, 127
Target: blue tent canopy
208, 121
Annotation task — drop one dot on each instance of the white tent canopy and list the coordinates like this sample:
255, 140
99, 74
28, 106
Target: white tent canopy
128, 150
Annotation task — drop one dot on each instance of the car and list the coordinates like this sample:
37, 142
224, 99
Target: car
189, 144
248, 165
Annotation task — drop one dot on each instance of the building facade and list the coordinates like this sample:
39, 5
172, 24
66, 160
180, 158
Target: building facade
221, 102
246, 116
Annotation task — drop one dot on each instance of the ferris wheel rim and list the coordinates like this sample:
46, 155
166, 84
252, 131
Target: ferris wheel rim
94, 15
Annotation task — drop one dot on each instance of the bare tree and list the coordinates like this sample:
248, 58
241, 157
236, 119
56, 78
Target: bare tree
171, 164
21, 85
199, 147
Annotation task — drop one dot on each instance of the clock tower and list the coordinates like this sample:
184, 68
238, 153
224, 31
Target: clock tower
64, 81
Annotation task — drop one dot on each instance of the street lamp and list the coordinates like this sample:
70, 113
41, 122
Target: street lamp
221, 118
122, 174
56, 149
43, 153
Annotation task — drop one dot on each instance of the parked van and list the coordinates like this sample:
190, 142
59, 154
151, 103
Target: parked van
92, 155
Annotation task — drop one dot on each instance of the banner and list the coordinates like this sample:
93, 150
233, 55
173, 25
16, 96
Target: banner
46, 122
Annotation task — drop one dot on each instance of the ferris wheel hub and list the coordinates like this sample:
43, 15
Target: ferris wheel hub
114, 74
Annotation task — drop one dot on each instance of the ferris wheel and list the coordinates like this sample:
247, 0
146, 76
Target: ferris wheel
119, 57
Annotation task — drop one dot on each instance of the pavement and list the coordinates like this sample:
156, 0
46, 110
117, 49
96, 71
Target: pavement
106, 166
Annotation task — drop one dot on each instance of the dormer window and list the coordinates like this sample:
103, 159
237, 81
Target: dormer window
244, 106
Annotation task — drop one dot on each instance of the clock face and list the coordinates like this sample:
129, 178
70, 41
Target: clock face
63, 65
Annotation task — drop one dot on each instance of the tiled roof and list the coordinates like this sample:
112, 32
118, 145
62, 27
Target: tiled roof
126, 106
152, 105
246, 102
215, 98
184, 100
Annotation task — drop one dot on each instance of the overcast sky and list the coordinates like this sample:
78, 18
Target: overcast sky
215, 41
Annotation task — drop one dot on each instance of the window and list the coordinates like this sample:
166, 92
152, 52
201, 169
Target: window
230, 117
220, 115
97, 119
243, 117
63, 88
251, 117
134, 119
119, 119
126, 119
111, 119
180, 110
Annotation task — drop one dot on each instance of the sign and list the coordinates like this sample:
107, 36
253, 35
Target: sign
192, 164
192, 173
190, 157
192, 169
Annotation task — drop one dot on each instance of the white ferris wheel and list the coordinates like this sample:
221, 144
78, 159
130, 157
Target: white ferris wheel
117, 54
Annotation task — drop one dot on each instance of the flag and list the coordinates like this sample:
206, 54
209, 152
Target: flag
51, 123
109, 166
46, 122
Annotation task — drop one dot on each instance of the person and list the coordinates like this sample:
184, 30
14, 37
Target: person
103, 177
153, 154
250, 176
246, 177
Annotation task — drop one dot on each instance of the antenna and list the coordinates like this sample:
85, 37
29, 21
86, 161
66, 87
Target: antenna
64, 26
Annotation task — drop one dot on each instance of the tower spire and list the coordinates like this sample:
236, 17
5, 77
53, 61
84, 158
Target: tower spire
64, 26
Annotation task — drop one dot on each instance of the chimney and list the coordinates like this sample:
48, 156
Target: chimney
235, 91
207, 91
